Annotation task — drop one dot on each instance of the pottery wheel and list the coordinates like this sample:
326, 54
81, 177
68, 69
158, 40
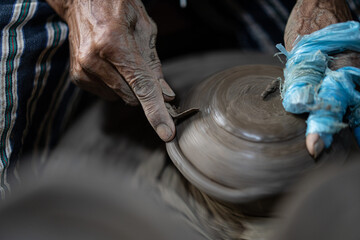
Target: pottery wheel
241, 146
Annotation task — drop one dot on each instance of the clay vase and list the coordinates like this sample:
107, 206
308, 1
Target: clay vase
242, 146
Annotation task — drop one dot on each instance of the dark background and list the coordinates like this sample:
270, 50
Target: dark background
205, 25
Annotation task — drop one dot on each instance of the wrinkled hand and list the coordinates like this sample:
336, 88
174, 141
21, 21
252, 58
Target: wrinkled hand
311, 15
112, 54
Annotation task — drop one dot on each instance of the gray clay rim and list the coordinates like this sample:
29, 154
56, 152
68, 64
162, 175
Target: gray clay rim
232, 195
209, 186
339, 150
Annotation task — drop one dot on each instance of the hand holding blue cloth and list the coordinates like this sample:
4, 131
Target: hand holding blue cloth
310, 86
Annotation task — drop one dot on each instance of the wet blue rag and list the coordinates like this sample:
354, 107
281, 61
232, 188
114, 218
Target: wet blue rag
310, 86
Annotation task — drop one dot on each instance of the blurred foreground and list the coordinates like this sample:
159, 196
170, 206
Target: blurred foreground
110, 178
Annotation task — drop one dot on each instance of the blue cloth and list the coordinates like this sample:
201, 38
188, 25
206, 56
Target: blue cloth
357, 135
336, 93
307, 62
310, 86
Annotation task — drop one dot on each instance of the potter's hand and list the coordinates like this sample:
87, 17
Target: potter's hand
309, 16
112, 54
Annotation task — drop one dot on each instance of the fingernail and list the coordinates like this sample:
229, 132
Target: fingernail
164, 132
166, 88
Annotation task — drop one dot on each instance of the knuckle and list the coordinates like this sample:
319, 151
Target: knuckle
153, 57
154, 64
77, 79
83, 59
144, 88
105, 34
76, 75
112, 43
82, 55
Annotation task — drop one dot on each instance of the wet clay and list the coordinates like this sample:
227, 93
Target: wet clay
242, 145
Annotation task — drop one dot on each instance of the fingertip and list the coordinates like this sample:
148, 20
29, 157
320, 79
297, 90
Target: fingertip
165, 132
314, 144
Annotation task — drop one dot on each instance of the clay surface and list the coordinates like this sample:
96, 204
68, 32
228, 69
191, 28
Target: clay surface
242, 146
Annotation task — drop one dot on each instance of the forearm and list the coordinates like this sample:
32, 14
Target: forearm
308, 16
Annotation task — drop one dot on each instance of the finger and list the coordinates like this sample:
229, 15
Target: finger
104, 71
158, 118
155, 66
91, 84
131, 65
314, 144
149, 93
82, 79
329, 109
321, 125
147, 90
145, 38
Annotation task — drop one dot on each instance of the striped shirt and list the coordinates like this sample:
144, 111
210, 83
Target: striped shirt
36, 94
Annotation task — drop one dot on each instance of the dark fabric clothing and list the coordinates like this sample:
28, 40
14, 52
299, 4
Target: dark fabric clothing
36, 95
